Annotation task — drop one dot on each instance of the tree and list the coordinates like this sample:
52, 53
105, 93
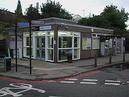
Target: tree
116, 17
54, 9
33, 12
18, 10
111, 17
7, 19
96, 21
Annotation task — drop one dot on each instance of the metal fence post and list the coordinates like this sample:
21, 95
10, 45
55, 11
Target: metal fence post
123, 56
16, 44
30, 46
110, 57
95, 60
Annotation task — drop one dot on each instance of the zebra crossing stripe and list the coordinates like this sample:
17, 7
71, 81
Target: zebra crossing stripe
51, 81
112, 81
90, 83
115, 84
95, 80
68, 82
72, 79
127, 82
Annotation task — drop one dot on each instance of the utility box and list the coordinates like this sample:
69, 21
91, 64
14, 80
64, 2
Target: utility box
7, 63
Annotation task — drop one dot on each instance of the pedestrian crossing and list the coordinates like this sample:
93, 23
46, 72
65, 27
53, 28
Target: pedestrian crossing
87, 81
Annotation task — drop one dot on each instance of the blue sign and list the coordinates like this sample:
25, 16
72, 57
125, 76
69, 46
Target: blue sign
23, 24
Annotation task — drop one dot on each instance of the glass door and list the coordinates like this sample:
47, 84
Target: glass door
40, 47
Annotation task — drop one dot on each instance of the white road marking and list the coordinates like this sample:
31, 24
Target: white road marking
68, 82
115, 84
21, 87
115, 81
90, 80
72, 79
54, 96
91, 83
51, 81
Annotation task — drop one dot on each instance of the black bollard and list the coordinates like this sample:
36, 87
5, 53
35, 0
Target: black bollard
123, 56
110, 58
95, 61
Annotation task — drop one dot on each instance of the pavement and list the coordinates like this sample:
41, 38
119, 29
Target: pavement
42, 70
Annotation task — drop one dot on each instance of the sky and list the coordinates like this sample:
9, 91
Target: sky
81, 7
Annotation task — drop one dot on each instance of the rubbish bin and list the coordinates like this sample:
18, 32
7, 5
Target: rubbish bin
7, 62
69, 56
11, 53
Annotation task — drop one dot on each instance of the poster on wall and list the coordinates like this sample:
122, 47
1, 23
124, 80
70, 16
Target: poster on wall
86, 43
95, 43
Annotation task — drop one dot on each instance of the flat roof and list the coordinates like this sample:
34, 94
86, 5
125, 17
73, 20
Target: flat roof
65, 22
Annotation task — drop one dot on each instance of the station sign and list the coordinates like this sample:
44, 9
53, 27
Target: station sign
45, 28
23, 24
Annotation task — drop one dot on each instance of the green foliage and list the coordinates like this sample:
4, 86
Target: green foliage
33, 13
117, 18
6, 16
54, 9
111, 17
7, 19
96, 21
18, 10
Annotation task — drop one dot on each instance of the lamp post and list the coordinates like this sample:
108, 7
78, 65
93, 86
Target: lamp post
16, 44
30, 47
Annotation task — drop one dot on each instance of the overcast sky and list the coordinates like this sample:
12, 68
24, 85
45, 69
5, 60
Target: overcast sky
81, 7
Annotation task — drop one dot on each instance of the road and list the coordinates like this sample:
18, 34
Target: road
109, 82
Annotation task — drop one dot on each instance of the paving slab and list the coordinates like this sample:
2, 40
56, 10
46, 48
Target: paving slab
44, 70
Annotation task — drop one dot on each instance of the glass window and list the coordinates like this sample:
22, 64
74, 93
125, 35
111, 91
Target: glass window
43, 53
43, 41
76, 53
28, 51
50, 54
63, 54
65, 42
37, 42
76, 41
63, 33
69, 41
50, 42
77, 34
27, 41
40, 33
38, 53
51, 33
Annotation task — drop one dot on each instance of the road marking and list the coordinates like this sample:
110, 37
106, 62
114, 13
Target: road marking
91, 83
90, 80
128, 82
21, 87
115, 84
72, 79
112, 81
68, 82
51, 81
54, 96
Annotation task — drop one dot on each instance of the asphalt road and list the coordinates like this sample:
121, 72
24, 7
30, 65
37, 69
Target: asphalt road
110, 82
